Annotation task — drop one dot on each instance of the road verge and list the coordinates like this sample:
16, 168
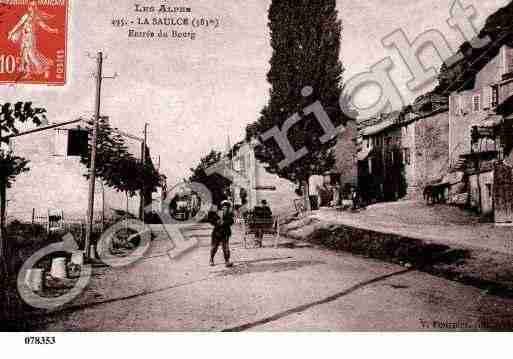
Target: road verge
489, 270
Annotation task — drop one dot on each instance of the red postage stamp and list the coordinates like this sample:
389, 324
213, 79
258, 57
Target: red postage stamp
33, 36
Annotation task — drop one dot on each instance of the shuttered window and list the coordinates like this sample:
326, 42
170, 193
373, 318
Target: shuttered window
495, 96
70, 142
508, 59
60, 142
456, 104
77, 142
487, 97
476, 103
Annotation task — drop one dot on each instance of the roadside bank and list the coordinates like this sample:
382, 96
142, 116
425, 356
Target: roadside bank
486, 268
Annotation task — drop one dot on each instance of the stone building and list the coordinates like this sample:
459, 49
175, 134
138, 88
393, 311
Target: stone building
401, 152
55, 184
428, 138
381, 175
478, 130
477, 105
254, 184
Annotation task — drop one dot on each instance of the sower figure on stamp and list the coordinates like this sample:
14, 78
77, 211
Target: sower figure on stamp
24, 33
222, 223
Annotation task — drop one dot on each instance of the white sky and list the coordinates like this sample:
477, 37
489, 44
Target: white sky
193, 93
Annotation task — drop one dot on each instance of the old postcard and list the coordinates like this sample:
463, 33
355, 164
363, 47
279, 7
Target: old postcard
266, 165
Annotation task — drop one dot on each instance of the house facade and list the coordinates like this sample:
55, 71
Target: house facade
56, 183
478, 132
255, 184
399, 153
476, 107
381, 172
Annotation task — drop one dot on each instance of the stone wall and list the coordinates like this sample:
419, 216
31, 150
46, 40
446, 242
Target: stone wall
408, 144
503, 193
431, 154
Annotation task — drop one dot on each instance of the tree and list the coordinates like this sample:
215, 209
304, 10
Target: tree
215, 183
151, 178
11, 165
305, 38
116, 166
111, 152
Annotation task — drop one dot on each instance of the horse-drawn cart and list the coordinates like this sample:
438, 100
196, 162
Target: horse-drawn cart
259, 227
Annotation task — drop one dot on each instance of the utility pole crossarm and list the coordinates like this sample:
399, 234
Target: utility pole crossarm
128, 135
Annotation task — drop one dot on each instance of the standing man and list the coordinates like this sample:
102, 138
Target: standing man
222, 223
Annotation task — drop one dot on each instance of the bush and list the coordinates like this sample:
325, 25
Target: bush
152, 218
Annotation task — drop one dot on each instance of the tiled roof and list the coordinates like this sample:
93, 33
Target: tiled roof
378, 124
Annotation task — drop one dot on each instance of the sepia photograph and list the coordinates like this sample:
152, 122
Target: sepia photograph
297, 166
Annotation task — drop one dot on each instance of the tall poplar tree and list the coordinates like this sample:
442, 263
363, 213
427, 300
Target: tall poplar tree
305, 38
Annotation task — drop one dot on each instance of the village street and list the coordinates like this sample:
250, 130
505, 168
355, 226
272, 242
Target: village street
295, 287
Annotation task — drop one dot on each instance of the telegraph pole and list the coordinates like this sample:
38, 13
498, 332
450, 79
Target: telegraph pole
92, 168
143, 161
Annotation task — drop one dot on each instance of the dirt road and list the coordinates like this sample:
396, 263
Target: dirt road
289, 288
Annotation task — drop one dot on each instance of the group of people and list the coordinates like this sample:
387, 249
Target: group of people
332, 195
223, 220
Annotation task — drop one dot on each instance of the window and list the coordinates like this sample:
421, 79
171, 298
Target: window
486, 102
242, 165
236, 163
407, 159
489, 190
60, 142
455, 101
476, 103
249, 163
77, 142
507, 59
495, 96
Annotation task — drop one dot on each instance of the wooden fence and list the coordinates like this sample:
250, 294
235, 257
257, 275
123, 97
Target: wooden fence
57, 221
